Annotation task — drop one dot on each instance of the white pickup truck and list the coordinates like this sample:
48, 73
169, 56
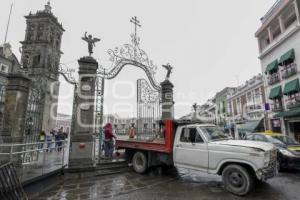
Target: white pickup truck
205, 148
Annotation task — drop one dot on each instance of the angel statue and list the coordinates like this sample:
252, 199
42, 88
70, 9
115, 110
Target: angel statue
169, 70
91, 42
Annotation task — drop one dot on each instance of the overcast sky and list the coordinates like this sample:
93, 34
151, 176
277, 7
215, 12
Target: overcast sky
210, 44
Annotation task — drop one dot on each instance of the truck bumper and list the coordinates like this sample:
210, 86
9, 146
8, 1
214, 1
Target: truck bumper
268, 172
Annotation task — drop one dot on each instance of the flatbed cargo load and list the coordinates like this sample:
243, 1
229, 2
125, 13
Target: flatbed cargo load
163, 145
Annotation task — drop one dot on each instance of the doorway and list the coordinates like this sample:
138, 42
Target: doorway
295, 127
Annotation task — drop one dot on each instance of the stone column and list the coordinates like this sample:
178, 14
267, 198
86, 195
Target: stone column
167, 100
16, 100
81, 149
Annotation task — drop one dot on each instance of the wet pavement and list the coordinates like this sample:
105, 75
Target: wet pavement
171, 185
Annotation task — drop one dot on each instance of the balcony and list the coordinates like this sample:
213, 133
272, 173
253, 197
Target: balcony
254, 108
273, 78
289, 71
277, 107
293, 103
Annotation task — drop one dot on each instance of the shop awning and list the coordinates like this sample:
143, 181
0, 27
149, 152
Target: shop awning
275, 93
291, 87
272, 66
291, 113
250, 126
290, 55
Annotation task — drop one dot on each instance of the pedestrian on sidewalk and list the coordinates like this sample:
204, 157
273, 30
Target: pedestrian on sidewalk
60, 140
42, 136
56, 139
131, 132
108, 141
49, 141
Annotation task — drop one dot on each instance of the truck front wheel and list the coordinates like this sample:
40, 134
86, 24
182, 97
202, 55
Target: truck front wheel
237, 180
139, 162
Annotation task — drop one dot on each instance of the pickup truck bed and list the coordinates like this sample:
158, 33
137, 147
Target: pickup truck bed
156, 145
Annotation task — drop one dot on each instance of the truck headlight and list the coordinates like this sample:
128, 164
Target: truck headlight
286, 152
267, 158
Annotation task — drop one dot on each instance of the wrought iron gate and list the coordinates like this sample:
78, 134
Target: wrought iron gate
148, 110
33, 120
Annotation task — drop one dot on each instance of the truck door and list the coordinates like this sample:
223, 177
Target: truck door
191, 150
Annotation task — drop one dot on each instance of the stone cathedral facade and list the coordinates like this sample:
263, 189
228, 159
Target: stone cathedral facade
41, 52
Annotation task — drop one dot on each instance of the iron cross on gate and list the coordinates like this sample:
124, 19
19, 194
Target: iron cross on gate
136, 23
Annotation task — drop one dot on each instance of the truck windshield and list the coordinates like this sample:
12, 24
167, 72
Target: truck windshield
213, 133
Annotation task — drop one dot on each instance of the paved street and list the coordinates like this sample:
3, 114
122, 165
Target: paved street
185, 185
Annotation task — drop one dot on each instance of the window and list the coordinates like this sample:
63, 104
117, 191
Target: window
289, 16
190, 135
275, 28
264, 40
3, 68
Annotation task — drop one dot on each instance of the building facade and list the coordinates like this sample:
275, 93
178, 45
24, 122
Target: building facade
279, 53
207, 111
8, 64
41, 52
63, 121
246, 104
120, 124
222, 105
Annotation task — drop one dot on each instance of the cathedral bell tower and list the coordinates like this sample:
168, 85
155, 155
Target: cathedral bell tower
40, 58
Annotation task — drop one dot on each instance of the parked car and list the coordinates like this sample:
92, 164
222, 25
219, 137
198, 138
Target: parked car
288, 149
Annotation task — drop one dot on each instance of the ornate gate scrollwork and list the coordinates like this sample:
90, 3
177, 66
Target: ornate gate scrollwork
33, 120
130, 54
148, 110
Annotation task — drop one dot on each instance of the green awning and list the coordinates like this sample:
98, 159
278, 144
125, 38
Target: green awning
272, 66
275, 93
291, 113
290, 55
291, 87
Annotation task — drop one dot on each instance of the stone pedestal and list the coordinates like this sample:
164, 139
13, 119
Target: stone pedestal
81, 149
16, 100
167, 100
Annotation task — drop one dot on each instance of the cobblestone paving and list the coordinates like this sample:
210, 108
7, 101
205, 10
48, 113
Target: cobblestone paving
185, 185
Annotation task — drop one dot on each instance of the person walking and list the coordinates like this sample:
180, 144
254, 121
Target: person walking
61, 138
131, 132
42, 136
108, 141
56, 137
49, 141
52, 132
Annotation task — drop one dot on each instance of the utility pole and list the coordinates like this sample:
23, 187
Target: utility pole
7, 26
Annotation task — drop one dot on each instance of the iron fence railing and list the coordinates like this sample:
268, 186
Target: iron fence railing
10, 186
33, 160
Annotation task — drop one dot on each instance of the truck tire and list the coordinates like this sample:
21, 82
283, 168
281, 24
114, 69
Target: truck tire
237, 180
139, 162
